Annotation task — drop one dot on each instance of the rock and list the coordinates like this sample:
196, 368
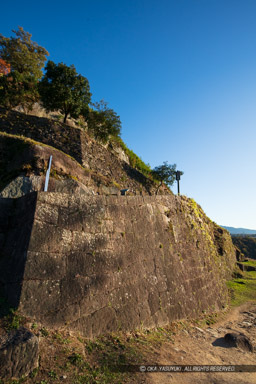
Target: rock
247, 324
69, 186
248, 314
212, 332
109, 190
241, 266
239, 255
22, 185
121, 154
19, 352
239, 341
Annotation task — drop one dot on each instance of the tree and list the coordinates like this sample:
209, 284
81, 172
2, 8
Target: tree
61, 88
14, 90
22, 54
103, 121
164, 173
21, 62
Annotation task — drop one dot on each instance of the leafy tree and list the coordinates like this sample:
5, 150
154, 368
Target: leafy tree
61, 88
165, 173
23, 55
103, 121
14, 90
21, 62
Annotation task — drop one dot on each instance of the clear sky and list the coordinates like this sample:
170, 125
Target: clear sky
180, 73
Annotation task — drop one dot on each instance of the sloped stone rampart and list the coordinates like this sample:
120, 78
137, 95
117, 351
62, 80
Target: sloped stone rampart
102, 263
77, 143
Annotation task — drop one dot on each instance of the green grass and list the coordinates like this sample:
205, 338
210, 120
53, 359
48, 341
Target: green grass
243, 289
103, 353
135, 161
251, 263
13, 320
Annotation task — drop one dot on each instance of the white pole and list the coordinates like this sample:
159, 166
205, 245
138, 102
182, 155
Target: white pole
48, 175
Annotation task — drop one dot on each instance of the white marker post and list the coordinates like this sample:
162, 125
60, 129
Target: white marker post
48, 175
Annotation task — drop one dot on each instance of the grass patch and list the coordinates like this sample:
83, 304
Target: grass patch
251, 263
243, 289
135, 161
13, 320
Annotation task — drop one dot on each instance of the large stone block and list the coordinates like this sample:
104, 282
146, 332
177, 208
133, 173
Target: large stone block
19, 352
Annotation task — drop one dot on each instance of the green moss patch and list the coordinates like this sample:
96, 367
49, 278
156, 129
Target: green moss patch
251, 263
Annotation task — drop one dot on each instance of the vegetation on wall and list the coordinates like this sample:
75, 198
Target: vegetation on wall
135, 161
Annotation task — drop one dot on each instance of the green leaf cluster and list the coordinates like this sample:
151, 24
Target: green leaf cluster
165, 173
24, 56
26, 59
103, 121
17, 89
64, 90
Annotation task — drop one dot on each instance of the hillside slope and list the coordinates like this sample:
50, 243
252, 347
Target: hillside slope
240, 231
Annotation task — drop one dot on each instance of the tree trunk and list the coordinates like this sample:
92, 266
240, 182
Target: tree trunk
65, 117
159, 187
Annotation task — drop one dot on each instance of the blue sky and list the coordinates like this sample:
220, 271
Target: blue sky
182, 76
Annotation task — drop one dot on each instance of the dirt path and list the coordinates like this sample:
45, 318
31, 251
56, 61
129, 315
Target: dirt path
197, 346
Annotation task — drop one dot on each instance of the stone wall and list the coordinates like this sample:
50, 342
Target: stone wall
103, 263
77, 143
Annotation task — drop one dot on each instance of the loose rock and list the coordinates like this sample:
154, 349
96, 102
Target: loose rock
238, 341
19, 352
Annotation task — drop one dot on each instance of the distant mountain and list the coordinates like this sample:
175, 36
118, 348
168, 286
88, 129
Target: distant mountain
240, 231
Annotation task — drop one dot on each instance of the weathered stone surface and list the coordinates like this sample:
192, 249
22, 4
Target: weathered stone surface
239, 341
102, 263
22, 185
19, 351
76, 156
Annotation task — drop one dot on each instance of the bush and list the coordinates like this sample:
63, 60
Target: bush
135, 161
103, 122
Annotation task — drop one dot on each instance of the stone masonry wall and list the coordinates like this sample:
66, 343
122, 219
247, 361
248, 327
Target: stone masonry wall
77, 143
16, 221
102, 263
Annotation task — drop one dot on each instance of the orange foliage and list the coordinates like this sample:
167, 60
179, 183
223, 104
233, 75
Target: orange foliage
5, 68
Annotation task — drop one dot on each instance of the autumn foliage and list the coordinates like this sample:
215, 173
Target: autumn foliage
5, 68
21, 63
